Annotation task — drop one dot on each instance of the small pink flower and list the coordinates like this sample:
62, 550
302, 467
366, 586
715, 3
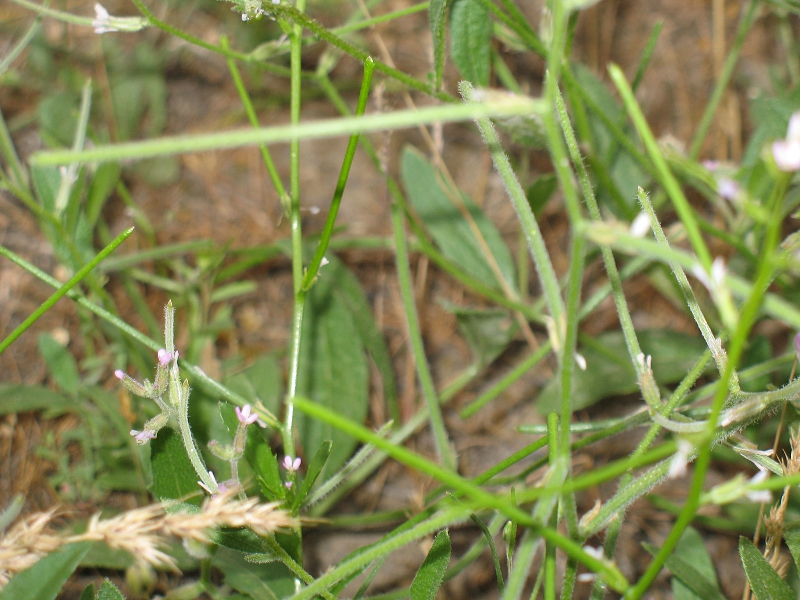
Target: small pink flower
245, 416
288, 485
728, 188
119, 374
142, 437
290, 464
164, 357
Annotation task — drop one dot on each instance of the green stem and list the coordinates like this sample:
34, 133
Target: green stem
350, 152
302, 20
738, 339
244, 96
64, 289
323, 128
485, 499
722, 83
530, 227
426, 380
665, 176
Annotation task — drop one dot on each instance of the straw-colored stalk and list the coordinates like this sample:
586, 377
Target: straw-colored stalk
142, 532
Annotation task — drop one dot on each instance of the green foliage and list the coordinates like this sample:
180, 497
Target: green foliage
108, 591
695, 577
45, 578
444, 213
431, 574
173, 475
270, 581
319, 382
437, 13
471, 40
765, 583
610, 373
333, 367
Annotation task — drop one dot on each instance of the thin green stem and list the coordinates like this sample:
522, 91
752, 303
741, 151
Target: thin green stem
302, 20
665, 176
278, 70
738, 339
722, 83
438, 429
626, 322
530, 227
244, 96
390, 16
296, 44
64, 289
350, 152
323, 128
211, 385
458, 483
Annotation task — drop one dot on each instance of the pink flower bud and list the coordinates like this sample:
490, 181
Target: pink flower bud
245, 416
164, 357
119, 374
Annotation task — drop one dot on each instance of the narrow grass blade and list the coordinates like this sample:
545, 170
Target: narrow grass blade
73, 281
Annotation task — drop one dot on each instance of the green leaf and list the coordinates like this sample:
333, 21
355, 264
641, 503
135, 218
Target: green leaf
759, 350
61, 363
46, 181
265, 465
22, 398
451, 231
437, 11
314, 469
350, 292
431, 574
103, 183
270, 581
540, 192
471, 40
487, 331
609, 371
108, 591
88, 592
57, 115
333, 370
260, 381
241, 540
45, 578
765, 583
173, 475
791, 534
694, 571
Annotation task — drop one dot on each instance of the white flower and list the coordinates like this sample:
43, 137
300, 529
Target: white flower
715, 280
760, 496
594, 552
787, 152
677, 466
102, 20
208, 489
640, 225
105, 23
